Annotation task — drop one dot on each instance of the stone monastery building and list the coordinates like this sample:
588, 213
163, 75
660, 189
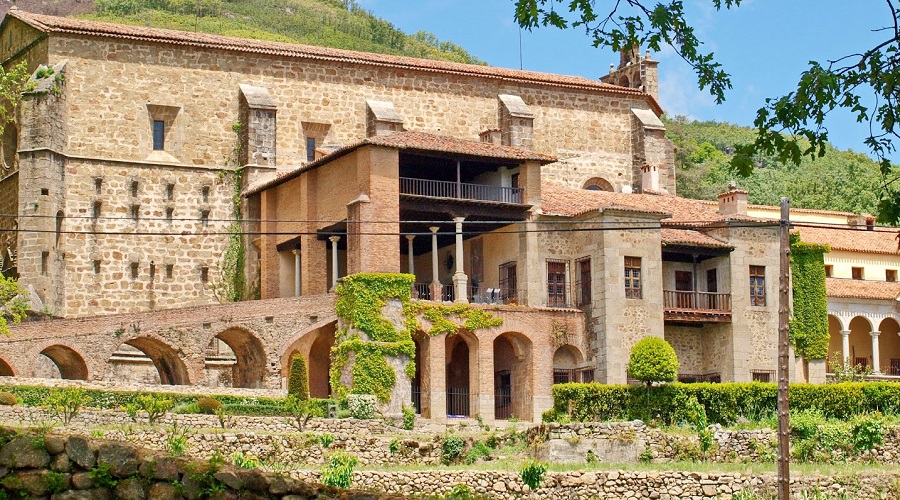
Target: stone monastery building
548, 199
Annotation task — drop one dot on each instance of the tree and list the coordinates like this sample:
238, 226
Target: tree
653, 360
13, 303
298, 378
788, 127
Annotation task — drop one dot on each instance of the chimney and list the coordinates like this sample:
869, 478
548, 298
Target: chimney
649, 178
259, 134
382, 118
863, 219
516, 122
491, 135
733, 202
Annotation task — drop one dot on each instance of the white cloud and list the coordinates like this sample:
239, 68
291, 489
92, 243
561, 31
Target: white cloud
678, 91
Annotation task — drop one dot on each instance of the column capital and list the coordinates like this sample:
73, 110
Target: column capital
845, 333
875, 333
296, 252
458, 220
434, 229
334, 239
410, 237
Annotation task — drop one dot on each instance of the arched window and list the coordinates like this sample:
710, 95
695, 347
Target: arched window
598, 184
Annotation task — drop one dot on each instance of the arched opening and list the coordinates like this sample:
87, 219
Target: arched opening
624, 82
6, 370
168, 364
60, 216
69, 364
458, 376
860, 342
835, 340
512, 377
598, 184
565, 364
315, 346
889, 346
249, 368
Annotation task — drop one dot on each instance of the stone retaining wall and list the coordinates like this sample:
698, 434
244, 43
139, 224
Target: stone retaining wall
118, 386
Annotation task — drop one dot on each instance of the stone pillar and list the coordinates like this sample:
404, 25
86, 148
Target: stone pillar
435, 281
437, 388
412, 257
845, 348
297, 275
334, 260
876, 358
460, 280
485, 401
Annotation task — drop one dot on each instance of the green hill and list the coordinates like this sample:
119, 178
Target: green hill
840, 180
341, 24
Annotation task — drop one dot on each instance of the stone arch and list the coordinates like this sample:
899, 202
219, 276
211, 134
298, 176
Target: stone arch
624, 82
315, 345
249, 369
565, 361
889, 346
172, 369
835, 340
860, 341
461, 351
598, 184
9, 154
70, 363
5, 369
513, 377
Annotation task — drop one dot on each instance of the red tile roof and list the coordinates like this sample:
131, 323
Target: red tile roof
207, 40
671, 236
417, 142
860, 289
880, 240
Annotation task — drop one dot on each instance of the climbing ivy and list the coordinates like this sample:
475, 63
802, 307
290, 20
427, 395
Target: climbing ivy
232, 284
809, 325
361, 301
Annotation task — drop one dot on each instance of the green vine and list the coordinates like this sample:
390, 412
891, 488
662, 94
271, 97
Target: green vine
360, 304
809, 325
232, 285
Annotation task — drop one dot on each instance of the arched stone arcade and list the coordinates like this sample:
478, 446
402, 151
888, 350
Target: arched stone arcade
314, 345
866, 342
69, 363
566, 361
169, 365
249, 368
513, 377
6, 370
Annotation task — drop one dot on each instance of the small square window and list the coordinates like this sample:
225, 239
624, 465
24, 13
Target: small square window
169, 271
829, 271
204, 274
170, 191
98, 185
96, 267
134, 270
857, 273
159, 135
890, 275
45, 191
204, 194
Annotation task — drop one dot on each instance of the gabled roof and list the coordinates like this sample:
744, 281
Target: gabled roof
860, 289
52, 24
689, 237
416, 142
880, 240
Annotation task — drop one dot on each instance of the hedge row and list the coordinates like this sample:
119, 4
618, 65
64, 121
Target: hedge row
724, 403
114, 400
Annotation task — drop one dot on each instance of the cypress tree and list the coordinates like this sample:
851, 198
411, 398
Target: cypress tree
298, 378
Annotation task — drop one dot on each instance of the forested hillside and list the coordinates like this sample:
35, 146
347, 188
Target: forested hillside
840, 180
342, 24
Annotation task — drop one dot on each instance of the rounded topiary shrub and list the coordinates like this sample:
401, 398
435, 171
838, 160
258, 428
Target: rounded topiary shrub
209, 405
8, 399
298, 378
653, 360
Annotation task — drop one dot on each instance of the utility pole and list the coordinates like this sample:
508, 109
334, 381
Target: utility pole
784, 284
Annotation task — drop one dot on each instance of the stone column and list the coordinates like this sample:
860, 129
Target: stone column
876, 359
334, 260
460, 280
435, 281
437, 388
412, 258
297, 288
845, 348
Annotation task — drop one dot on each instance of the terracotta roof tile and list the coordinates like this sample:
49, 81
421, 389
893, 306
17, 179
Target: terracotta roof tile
415, 141
96, 28
860, 289
671, 236
881, 240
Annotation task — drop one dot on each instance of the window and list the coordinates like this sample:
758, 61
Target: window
169, 271
170, 191
757, 285
583, 280
159, 135
135, 212
204, 194
890, 275
45, 260
310, 149
98, 185
508, 282
857, 273
170, 212
204, 218
152, 271
59, 226
633, 278
45, 192
134, 188
96, 267
97, 206
762, 375
556, 283
829, 271
204, 274
134, 270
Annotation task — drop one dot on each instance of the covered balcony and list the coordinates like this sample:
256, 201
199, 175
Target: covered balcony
696, 278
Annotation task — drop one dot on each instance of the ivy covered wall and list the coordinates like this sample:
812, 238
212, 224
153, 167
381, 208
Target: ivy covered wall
809, 324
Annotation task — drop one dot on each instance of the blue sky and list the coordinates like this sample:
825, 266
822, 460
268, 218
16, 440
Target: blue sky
764, 45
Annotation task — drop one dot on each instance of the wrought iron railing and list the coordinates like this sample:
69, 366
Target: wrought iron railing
568, 375
458, 402
459, 190
692, 378
503, 403
416, 399
697, 301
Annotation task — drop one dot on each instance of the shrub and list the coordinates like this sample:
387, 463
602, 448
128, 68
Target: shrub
478, 451
338, 470
8, 399
154, 405
298, 411
65, 403
867, 431
298, 378
244, 461
325, 439
688, 411
361, 406
452, 449
460, 492
533, 473
653, 360
409, 418
208, 406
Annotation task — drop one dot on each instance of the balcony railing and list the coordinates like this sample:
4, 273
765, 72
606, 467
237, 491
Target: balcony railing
568, 375
459, 190
697, 301
477, 295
